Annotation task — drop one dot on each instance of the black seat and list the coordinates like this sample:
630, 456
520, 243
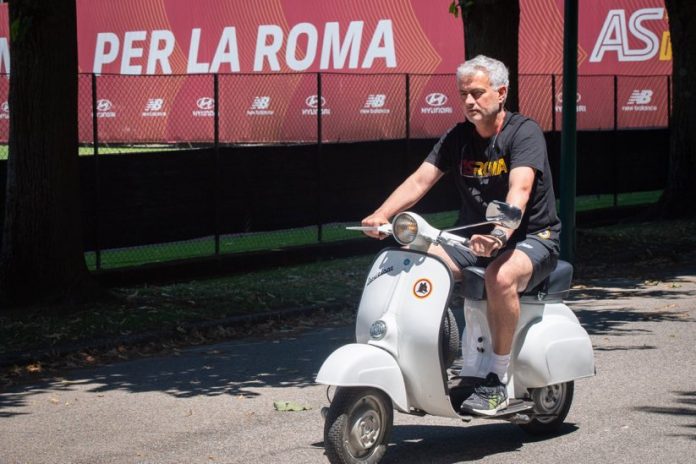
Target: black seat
552, 289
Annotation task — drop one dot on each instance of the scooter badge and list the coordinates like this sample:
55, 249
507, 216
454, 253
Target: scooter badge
422, 288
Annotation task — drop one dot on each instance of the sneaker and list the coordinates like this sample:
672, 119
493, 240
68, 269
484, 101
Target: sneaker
488, 398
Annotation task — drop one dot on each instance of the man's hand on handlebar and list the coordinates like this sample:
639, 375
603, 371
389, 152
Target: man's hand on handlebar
375, 220
485, 245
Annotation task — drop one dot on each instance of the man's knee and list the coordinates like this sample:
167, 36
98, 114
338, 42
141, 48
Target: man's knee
509, 272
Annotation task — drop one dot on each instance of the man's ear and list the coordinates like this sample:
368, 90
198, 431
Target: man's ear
502, 94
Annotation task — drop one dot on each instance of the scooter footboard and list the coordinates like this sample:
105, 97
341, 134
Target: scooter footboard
362, 365
554, 352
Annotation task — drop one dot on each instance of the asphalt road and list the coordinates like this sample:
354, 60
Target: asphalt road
214, 404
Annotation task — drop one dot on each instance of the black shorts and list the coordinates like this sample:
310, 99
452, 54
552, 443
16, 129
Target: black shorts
542, 248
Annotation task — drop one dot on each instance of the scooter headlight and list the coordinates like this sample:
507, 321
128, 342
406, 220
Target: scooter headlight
378, 330
405, 228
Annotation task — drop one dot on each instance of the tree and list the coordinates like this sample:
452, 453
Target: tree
42, 257
677, 199
491, 28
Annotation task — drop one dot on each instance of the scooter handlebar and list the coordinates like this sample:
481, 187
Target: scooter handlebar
455, 241
385, 229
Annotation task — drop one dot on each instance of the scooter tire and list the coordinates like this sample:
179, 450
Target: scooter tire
555, 411
349, 437
449, 338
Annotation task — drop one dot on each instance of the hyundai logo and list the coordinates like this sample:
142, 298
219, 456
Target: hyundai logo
559, 97
205, 103
103, 105
436, 99
313, 100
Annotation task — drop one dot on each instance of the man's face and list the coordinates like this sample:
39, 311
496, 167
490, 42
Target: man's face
481, 102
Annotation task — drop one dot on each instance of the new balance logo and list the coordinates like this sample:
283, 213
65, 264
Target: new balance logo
640, 101
260, 107
375, 101
640, 97
375, 104
153, 107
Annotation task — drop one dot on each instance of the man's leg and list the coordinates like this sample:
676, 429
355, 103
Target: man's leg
505, 277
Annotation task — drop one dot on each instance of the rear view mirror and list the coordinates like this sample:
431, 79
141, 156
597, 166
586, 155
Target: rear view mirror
504, 214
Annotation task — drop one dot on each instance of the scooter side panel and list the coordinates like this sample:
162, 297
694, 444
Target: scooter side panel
361, 365
554, 351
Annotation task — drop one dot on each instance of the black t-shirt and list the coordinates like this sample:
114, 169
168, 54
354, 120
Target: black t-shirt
481, 169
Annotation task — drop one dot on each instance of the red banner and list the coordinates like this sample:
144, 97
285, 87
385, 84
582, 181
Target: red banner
155, 59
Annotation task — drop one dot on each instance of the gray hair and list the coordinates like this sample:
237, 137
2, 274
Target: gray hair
496, 71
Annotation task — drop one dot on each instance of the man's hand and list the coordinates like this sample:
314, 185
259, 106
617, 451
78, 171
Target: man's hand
485, 245
375, 220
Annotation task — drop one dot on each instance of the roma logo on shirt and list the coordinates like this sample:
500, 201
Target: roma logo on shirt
470, 168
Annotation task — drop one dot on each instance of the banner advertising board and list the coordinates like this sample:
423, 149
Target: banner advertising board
155, 59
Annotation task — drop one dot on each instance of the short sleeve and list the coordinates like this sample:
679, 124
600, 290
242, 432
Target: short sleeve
444, 154
528, 147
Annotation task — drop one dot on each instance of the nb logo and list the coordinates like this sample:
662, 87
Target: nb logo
313, 101
375, 101
205, 103
261, 103
103, 105
436, 99
640, 97
154, 104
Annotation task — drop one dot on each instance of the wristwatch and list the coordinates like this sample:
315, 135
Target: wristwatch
500, 235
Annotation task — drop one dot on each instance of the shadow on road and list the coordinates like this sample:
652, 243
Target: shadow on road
686, 408
436, 444
236, 368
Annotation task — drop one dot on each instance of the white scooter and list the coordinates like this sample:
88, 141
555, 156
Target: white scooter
407, 341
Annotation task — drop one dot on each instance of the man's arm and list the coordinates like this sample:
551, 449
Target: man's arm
406, 195
520, 184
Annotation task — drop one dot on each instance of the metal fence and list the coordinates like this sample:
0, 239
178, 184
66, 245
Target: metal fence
135, 114
121, 110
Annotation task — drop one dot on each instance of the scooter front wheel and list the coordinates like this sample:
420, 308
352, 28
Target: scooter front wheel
358, 425
551, 406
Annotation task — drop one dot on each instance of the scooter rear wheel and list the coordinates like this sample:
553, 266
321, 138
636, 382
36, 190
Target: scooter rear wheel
358, 425
551, 406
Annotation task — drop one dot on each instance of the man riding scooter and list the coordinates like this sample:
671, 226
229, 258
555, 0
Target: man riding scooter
494, 155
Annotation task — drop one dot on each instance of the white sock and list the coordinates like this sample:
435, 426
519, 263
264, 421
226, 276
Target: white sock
499, 365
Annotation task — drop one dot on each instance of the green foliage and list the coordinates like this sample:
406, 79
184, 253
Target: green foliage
465, 6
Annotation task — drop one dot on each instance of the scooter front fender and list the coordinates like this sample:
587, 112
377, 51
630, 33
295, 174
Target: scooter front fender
362, 365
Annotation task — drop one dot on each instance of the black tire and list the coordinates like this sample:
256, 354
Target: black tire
552, 404
358, 425
449, 339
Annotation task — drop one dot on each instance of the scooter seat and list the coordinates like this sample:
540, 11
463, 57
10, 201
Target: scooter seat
551, 290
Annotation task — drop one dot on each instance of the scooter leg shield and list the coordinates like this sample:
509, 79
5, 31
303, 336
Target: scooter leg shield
362, 365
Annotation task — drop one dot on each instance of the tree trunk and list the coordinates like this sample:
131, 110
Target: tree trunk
42, 258
491, 28
678, 197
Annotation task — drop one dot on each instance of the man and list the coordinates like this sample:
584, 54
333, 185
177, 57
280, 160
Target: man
494, 155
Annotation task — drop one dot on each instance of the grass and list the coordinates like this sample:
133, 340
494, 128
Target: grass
111, 150
145, 308
239, 243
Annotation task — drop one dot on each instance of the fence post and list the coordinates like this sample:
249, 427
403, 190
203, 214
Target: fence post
407, 153
669, 102
97, 174
320, 171
615, 165
216, 149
